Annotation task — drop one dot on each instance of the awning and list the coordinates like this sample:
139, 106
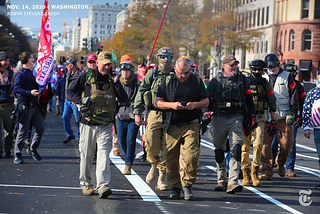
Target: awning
305, 65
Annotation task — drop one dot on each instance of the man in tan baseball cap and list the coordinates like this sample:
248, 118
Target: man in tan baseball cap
105, 57
229, 64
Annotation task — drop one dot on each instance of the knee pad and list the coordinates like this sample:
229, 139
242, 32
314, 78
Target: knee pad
219, 155
237, 152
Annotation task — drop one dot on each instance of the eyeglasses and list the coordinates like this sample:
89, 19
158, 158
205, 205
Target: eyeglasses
184, 73
163, 57
92, 62
125, 66
257, 69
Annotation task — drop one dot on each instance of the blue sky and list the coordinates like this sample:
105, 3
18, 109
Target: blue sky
29, 17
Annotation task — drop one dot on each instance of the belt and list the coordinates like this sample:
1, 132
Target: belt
154, 108
227, 115
184, 123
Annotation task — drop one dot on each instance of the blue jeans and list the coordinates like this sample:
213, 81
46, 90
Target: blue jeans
127, 134
317, 142
66, 117
292, 156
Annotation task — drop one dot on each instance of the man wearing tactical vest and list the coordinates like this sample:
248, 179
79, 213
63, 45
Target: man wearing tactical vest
229, 99
182, 95
6, 104
293, 69
94, 92
286, 93
154, 135
263, 98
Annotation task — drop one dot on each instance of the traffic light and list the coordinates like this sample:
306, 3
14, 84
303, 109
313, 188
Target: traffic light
95, 45
216, 47
62, 60
85, 44
90, 44
99, 47
83, 59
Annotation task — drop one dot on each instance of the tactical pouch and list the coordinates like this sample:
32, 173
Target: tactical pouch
131, 111
147, 98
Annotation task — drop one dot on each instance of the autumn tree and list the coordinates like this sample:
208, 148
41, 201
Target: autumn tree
228, 23
12, 39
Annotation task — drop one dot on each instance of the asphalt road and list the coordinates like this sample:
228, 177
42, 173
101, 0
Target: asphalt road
52, 186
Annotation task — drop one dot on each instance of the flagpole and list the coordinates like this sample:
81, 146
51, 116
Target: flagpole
155, 41
45, 62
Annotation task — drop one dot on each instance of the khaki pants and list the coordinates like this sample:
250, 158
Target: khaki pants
8, 125
189, 135
258, 136
154, 138
285, 140
93, 136
232, 127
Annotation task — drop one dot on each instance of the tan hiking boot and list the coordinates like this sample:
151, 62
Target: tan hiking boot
233, 188
127, 169
152, 173
87, 190
105, 192
291, 173
254, 176
161, 185
265, 177
246, 177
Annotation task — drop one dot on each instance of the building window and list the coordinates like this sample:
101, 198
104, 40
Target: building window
267, 15
285, 41
266, 47
95, 18
95, 26
254, 18
306, 40
114, 27
291, 45
277, 41
258, 16
95, 32
317, 9
305, 8
262, 17
280, 43
102, 19
257, 51
261, 46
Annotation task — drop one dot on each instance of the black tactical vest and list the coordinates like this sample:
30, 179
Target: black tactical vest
229, 96
6, 90
258, 90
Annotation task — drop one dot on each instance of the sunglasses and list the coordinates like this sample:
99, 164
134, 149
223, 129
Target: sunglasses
291, 68
92, 62
234, 64
163, 57
257, 69
125, 66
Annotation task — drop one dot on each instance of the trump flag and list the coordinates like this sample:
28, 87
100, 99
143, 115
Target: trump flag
44, 67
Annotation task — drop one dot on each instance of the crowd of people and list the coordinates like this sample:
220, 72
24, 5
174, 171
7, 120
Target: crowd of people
171, 105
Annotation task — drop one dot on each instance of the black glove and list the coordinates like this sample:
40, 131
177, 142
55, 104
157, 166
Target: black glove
203, 127
254, 122
247, 124
206, 117
85, 107
273, 127
298, 122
